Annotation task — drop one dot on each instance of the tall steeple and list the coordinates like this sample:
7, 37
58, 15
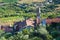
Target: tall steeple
38, 12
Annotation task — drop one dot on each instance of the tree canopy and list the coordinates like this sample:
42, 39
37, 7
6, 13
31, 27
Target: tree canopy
9, 1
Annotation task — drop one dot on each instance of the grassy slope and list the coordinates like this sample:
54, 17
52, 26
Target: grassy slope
10, 20
0, 0
30, 1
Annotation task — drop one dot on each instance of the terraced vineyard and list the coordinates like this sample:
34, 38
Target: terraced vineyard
12, 13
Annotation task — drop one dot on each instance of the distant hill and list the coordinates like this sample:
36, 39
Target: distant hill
29, 1
0, 0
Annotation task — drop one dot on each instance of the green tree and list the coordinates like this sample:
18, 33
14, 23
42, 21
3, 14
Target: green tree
56, 1
10, 1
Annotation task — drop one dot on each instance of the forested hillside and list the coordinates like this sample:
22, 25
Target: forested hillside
12, 11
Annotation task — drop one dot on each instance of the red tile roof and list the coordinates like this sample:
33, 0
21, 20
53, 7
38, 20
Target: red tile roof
56, 20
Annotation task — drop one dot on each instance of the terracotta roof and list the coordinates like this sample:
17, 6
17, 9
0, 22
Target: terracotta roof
56, 20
